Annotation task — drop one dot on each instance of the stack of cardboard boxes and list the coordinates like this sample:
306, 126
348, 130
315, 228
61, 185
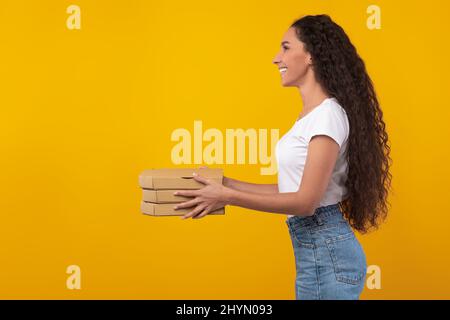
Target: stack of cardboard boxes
158, 186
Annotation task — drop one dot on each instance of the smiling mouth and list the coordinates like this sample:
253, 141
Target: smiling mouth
283, 70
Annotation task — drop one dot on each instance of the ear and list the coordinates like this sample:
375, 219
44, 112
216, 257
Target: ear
309, 59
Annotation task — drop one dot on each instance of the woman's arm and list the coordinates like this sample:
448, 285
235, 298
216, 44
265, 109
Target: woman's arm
321, 159
294, 203
249, 187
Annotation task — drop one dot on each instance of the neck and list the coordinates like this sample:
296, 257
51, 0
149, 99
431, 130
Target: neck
312, 94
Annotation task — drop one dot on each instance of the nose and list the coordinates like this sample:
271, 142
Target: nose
276, 59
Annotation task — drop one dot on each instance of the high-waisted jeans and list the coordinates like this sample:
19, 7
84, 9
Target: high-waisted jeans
330, 261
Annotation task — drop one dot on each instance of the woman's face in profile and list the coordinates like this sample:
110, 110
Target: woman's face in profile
292, 60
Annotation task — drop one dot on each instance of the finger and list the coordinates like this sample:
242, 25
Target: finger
200, 178
186, 204
196, 215
193, 212
203, 167
204, 213
186, 193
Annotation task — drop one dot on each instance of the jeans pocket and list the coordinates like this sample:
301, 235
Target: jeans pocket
348, 258
298, 240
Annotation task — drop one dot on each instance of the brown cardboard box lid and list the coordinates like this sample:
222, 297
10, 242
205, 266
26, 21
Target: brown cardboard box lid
177, 178
162, 196
166, 209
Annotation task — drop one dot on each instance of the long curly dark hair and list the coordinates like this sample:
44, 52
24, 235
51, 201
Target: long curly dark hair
342, 73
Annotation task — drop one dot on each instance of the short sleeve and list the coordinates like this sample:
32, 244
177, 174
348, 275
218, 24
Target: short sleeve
330, 120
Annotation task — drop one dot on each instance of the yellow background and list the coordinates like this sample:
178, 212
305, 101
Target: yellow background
83, 112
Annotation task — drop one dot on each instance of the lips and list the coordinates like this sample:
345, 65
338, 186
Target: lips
283, 70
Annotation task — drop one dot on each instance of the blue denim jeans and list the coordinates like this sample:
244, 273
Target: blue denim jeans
330, 261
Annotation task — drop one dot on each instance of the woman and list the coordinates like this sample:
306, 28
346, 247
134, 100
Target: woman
333, 164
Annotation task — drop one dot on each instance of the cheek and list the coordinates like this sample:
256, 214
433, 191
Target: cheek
296, 65
297, 69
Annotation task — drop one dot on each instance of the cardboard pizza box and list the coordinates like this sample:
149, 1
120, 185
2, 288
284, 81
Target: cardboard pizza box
166, 209
162, 196
177, 178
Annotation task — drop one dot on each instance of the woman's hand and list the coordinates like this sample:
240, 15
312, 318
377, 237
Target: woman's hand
209, 198
225, 180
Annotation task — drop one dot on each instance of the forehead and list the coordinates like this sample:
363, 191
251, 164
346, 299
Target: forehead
290, 35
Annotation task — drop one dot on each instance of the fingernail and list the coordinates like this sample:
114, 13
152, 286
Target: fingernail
175, 193
175, 207
194, 174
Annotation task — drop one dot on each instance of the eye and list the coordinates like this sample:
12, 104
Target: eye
285, 48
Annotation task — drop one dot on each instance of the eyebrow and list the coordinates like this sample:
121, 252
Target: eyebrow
284, 42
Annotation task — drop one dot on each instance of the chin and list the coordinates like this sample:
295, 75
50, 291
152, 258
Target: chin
287, 84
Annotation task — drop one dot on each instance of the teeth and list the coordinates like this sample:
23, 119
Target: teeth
283, 70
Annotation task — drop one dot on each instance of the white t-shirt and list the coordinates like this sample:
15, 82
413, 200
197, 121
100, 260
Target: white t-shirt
328, 118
